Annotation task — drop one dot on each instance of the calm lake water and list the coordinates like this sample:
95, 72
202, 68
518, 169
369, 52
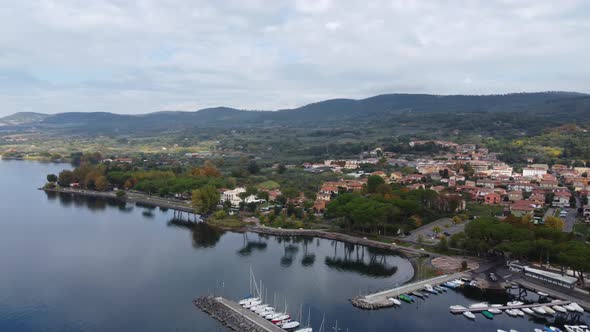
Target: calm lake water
75, 264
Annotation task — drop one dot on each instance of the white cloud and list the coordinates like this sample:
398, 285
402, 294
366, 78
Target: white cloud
136, 57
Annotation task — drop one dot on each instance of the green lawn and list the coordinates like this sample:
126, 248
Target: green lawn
481, 210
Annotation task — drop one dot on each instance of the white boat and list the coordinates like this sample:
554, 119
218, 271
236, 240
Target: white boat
498, 330
528, 311
514, 303
290, 325
457, 307
543, 294
519, 312
479, 305
497, 305
258, 307
275, 315
511, 312
265, 309
548, 310
252, 304
538, 330
469, 314
395, 301
248, 300
559, 308
280, 318
539, 310
305, 329
513, 330
577, 307
495, 311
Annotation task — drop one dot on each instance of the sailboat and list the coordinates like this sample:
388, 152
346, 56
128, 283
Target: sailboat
293, 323
308, 327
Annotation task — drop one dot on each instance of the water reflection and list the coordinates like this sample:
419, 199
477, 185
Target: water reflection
353, 259
308, 259
249, 246
92, 203
203, 236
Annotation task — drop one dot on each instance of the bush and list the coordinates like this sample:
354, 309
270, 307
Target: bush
120, 193
464, 265
219, 214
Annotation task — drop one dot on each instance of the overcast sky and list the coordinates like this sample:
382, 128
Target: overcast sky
142, 56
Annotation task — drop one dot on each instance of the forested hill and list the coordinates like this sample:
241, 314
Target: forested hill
554, 107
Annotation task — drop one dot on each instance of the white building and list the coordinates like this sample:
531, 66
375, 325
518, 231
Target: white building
232, 196
536, 172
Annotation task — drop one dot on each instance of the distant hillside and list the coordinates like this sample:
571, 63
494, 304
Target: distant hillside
385, 110
22, 118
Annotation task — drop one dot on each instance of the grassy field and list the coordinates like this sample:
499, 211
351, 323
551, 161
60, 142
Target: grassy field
482, 210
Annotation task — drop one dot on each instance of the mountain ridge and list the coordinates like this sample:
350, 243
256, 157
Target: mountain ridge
327, 112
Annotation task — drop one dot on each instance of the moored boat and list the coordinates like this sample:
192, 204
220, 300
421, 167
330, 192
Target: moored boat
539, 310
559, 308
528, 311
487, 314
495, 311
469, 314
457, 307
548, 310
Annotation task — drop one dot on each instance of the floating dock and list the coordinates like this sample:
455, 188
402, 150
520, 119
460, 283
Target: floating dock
507, 307
380, 300
234, 316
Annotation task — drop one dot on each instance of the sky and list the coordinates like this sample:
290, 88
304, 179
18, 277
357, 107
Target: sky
142, 56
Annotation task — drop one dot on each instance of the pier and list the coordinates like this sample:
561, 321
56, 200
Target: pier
380, 300
234, 316
507, 307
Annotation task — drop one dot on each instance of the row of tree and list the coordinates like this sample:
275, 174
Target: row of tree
519, 238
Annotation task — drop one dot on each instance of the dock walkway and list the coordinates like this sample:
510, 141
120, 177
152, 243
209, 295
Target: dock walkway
506, 307
234, 316
580, 299
380, 299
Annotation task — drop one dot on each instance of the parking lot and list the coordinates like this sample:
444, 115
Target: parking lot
427, 232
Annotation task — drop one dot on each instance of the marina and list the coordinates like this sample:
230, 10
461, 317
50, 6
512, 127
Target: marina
507, 307
234, 316
382, 299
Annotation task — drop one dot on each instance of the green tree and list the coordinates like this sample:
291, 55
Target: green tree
373, 182
554, 222
101, 183
65, 178
52, 178
205, 199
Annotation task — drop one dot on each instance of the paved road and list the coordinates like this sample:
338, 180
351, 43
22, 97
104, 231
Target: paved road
570, 219
427, 230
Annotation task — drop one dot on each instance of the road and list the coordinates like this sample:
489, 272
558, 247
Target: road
427, 230
570, 219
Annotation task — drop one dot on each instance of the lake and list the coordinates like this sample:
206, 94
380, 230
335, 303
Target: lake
80, 264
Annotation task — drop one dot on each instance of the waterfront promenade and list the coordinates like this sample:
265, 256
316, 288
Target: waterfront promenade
132, 197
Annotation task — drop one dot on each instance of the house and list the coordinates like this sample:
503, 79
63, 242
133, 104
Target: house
515, 195
273, 194
586, 211
492, 198
548, 184
395, 176
319, 206
486, 183
561, 198
124, 160
536, 172
253, 199
380, 173
520, 209
232, 196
